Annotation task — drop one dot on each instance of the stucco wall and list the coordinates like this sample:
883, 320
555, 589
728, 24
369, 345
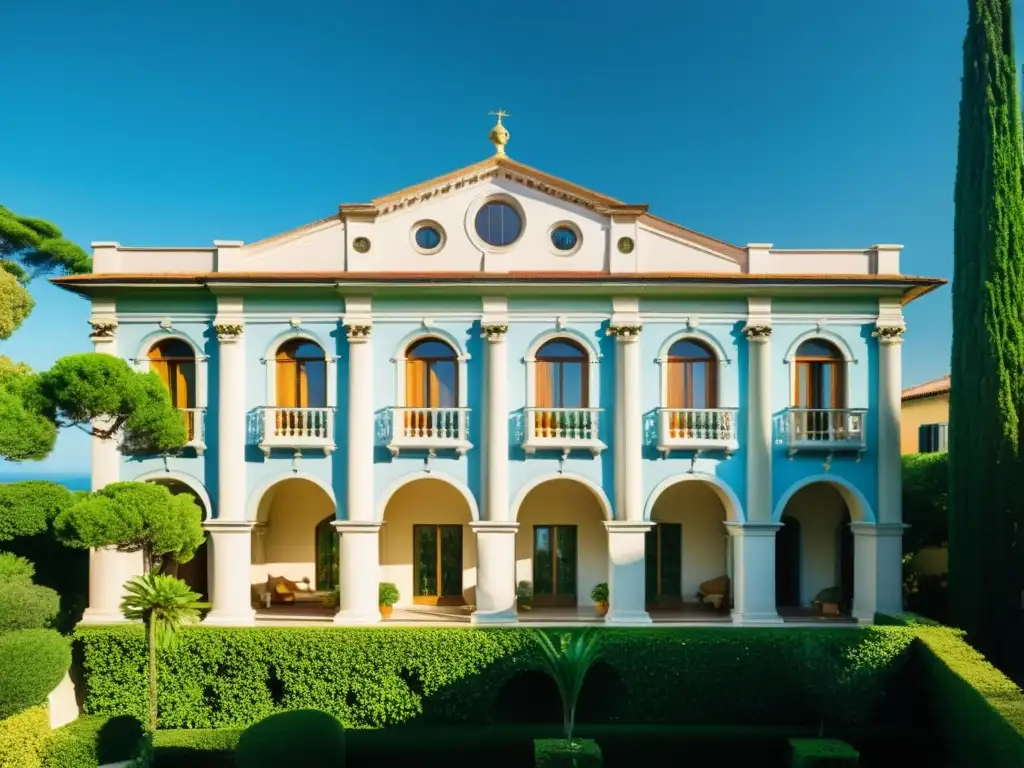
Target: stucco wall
914, 413
291, 511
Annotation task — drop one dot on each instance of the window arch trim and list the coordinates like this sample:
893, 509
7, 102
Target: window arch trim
269, 361
143, 359
846, 361
437, 334
589, 349
718, 353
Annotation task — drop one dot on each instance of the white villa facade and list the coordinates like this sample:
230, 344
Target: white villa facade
498, 376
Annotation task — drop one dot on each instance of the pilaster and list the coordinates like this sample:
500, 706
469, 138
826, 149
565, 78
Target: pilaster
230, 328
877, 569
358, 571
495, 572
360, 418
889, 332
758, 445
494, 328
230, 566
628, 421
627, 573
753, 566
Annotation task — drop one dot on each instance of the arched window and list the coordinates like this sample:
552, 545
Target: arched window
692, 376
431, 375
561, 375
174, 361
301, 375
819, 382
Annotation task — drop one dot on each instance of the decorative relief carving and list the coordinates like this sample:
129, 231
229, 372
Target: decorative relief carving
103, 329
756, 332
358, 332
624, 331
228, 331
889, 332
494, 331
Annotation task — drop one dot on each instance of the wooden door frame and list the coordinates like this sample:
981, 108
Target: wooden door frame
438, 599
661, 601
555, 600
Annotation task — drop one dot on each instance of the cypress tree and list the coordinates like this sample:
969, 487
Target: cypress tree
988, 341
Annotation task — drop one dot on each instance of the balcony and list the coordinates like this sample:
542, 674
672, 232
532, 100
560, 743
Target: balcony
561, 429
296, 429
697, 429
429, 429
830, 430
195, 427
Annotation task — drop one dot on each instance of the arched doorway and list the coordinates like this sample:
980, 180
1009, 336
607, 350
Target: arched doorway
426, 547
290, 523
561, 544
814, 547
688, 545
195, 572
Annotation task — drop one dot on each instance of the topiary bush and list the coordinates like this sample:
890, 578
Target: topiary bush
276, 741
15, 568
89, 742
24, 605
32, 663
559, 753
22, 738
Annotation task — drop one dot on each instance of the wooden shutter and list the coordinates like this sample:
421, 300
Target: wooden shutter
287, 385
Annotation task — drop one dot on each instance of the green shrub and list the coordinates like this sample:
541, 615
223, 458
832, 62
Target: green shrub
599, 594
26, 508
273, 742
387, 593
32, 663
823, 753
22, 737
93, 741
15, 568
559, 753
374, 677
24, 605
925, 500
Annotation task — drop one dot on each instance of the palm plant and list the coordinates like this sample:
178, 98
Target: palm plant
164, 604
567, 663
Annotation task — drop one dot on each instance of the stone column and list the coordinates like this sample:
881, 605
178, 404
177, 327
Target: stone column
877, 569
753, 567
230, 561
230, 573
758, 447
629, 424
495, 572
495, 447
890, 467
627, 583
359, 571
108, 568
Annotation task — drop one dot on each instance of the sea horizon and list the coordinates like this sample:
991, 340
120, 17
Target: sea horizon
75, 481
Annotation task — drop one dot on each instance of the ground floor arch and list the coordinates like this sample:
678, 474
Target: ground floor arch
288, 538
814, 546
688, 545
561, 543
427, 548
195, 572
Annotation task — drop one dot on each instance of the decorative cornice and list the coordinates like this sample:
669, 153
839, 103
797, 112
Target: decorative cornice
758, 332
494, 331
624, 331
889, 333
227, 332
358, 332
103, 329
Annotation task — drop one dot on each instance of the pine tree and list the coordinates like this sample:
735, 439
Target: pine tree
988, 339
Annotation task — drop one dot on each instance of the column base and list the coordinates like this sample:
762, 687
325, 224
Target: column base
767, 618
620, 618
225, 619
102, 617
350, 618
493, 617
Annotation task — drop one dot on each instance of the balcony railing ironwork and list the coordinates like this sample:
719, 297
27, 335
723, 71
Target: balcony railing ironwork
296, 428
431, 429
697, 429
564, 429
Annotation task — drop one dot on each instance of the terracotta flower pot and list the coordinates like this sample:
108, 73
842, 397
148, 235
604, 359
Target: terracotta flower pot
602, 608
386, 611
830, 609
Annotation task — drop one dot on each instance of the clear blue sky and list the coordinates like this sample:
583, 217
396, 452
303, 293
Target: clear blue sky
802, 123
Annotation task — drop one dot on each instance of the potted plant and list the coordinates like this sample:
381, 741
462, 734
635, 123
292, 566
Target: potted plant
387, 596
524, 595
599, 594
830, 599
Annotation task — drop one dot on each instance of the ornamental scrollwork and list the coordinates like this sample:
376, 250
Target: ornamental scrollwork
624, 331
358, 332
756, 332
494, 331
228, 331
103, 329
889, 332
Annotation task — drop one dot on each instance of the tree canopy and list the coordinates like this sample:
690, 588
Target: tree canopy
134, 517
27, 508
15, 303
925, 500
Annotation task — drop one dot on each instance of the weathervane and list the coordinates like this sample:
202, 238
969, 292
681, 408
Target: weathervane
499, 134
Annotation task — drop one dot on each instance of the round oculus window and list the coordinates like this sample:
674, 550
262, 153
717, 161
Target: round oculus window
626, 244
498, 224
428, 238
361, 244
564, 238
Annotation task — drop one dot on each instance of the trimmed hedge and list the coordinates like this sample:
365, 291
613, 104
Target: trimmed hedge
375, 677
22, 738
823, 753
15, 568
559, 753
89, 742
32, 663
24, 605
275, 741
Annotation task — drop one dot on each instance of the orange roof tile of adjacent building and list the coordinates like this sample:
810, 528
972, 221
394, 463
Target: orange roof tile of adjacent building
939, 386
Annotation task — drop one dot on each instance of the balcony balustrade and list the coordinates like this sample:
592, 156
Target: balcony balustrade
562, 429
826, 429
697, 429
429, 429
296, 429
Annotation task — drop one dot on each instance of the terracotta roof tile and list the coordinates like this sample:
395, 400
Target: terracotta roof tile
939, 386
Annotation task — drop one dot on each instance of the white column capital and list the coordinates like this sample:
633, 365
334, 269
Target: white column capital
889, 334
356, 526
758, 332
358, 331
494, 331
625, 333
494, 526
752, 528
228, 331
628, 526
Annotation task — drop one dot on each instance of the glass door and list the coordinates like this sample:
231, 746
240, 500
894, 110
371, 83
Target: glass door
554, 566
664, 565
326, 555
437, 565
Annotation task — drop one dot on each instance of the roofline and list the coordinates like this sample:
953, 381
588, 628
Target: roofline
930, 393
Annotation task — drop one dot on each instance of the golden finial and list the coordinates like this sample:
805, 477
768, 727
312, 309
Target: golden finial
499, 133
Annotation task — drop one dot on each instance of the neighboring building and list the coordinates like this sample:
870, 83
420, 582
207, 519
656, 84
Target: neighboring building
499, 376
925, 417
